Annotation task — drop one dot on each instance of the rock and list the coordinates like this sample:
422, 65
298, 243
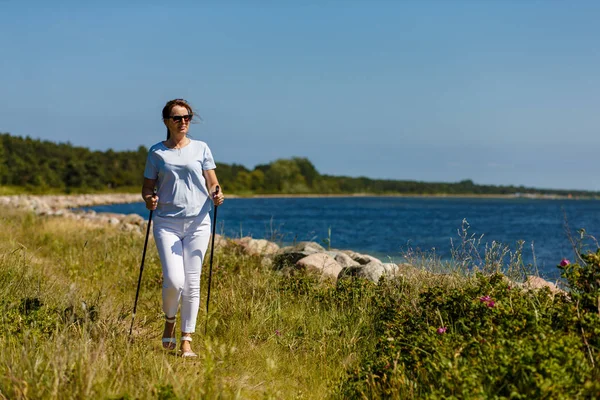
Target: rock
349, 272
372, 271
535, 282
304, 247
130, 228
288, 256
321, 262
133, 219
257, 247
362, 259
284, 259
390, 269
220, 242
345, 260
406, 269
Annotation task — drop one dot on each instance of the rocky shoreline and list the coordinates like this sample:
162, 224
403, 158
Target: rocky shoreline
330, 263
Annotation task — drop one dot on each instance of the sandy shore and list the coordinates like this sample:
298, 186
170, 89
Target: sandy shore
62, 202
66, 206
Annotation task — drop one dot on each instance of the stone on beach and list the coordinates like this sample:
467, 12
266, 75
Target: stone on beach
322, 263
345, 260
535, 282
362, 259
257, 247
288, 256
372, 271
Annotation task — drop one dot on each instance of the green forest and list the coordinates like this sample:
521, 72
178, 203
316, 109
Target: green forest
36, 166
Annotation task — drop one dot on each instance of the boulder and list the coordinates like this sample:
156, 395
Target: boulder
349, 272
288, 259
372, 271
305, 247
345, 260
220, 242
362, 259
390, 269
535, 282
321, 262
288, 256
134, 219
257, 247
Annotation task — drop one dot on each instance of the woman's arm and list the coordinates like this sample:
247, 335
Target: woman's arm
212, 182
148, 194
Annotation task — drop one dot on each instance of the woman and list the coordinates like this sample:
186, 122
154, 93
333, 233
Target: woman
179, 182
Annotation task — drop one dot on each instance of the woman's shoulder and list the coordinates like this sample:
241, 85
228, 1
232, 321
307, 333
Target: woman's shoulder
199, 143
156, 147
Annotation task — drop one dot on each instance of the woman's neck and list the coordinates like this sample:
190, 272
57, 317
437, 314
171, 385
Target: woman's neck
176, 142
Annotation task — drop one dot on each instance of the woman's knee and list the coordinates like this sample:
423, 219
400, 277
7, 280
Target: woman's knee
191, 290
176, 283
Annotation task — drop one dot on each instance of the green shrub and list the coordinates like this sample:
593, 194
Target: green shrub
485, 339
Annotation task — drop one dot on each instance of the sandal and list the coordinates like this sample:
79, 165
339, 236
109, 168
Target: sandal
188, 353
169, 343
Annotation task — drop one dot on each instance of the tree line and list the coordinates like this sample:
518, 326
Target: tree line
44, 166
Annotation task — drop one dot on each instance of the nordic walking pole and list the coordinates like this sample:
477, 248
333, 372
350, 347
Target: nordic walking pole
137, 292
212, 251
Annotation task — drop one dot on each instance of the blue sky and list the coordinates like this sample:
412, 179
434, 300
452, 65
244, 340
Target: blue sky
500, 92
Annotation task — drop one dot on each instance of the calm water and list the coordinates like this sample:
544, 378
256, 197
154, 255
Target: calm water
389, 226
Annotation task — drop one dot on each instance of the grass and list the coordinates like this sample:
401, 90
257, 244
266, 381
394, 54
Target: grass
67, 291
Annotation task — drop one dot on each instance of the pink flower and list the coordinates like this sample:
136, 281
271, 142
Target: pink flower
564, 262
488, 301
277, 332
441, 330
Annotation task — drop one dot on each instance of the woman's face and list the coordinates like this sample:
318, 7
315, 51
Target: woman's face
179, 124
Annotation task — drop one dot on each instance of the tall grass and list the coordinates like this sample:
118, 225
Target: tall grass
66, 293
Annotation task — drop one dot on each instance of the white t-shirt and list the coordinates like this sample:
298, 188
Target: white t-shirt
181, 186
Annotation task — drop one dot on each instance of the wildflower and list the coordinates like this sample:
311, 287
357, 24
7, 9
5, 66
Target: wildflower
488, 301
441, 330
564, 262
277, 332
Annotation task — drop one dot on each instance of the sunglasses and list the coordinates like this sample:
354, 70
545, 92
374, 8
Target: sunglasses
179, 118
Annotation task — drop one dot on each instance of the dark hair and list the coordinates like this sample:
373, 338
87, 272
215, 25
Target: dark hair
166, 112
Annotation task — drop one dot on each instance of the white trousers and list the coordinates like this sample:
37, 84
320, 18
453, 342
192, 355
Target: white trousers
182, 244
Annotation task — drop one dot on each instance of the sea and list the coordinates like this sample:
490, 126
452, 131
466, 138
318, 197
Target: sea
395, 229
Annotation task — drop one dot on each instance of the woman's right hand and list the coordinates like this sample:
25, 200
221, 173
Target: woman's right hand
151, 202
